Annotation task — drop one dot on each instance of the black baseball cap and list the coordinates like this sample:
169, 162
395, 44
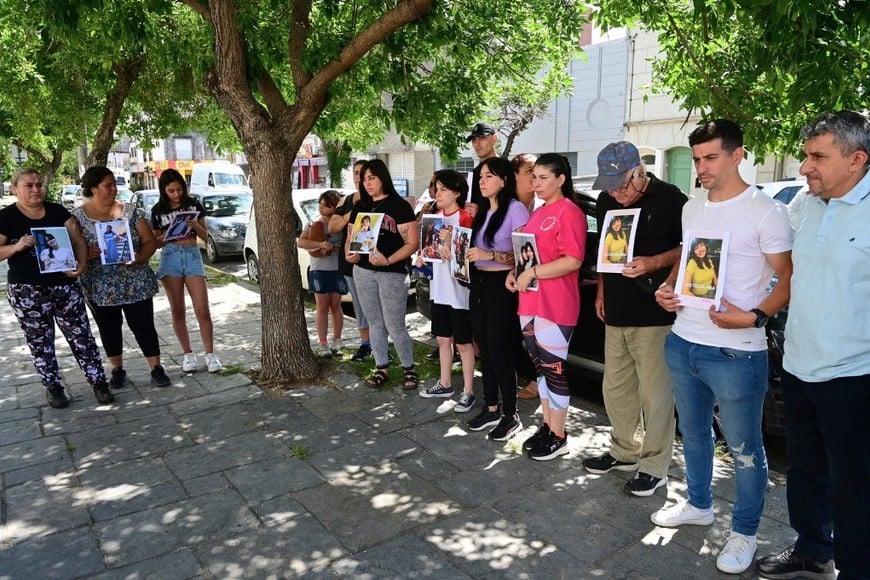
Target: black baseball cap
480, 130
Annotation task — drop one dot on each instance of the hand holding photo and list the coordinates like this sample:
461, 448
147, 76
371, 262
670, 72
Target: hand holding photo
526, 255
180, 227
53, 250
616, 245
459, 257
364, 235
701, 275
430, 238
115, 242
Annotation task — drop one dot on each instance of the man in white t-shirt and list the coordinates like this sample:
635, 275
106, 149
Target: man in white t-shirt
721, 355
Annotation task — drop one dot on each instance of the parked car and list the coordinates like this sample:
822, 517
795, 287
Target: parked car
586, 349
146, 199
70, 196
125, 194
783, 191
227, 215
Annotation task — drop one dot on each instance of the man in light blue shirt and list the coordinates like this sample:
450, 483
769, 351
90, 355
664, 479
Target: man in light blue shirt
826, 386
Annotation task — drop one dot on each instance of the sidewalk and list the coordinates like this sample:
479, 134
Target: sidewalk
213, 478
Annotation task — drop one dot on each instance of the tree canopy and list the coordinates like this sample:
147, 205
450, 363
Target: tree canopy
771, 65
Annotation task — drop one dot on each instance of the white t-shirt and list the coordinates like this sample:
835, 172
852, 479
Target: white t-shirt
444, 288
758, 225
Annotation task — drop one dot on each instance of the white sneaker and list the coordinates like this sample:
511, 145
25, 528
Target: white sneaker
322, 350
189, 363
213, 362
336, 345
682, 513
737, 554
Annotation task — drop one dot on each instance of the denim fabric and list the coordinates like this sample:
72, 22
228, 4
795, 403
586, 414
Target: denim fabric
180, 261
702, 375
361, 320
829, 470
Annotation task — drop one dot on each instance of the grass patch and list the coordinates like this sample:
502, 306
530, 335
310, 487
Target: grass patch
232, 369
300, 451
217, 277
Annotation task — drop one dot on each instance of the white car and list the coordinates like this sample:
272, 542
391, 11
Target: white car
783, 191
71, 196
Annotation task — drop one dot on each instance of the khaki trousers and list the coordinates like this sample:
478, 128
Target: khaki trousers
638, 397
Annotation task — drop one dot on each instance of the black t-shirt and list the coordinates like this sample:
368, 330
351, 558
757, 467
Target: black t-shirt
631, 301
476, 195
24, 266
345, 267
161, 221
396, 211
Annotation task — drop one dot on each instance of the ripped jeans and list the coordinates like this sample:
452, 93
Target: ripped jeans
701, 376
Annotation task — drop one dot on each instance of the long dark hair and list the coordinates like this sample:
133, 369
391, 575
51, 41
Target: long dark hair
702, 263
559, 165
620, 235
93, 177
170, 176
379, 169
503, 168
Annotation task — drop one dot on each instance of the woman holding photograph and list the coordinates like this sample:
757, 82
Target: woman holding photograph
549, 315
700, 278
116, 291
382, 275
39, 300
615, 243
493, 308
181, 267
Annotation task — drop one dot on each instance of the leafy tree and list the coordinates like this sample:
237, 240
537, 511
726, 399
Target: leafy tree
421, 66
771, 65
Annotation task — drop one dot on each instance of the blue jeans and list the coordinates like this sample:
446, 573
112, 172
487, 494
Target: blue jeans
829, 470
737, 379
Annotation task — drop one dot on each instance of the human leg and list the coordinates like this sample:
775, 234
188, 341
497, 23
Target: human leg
369, 296
337, 316
198, 290
71, 316
647, 346
393, 290
621, 396
552, 363
480, 313
34, 311
140, 319
501, 331
321, 316
174, 288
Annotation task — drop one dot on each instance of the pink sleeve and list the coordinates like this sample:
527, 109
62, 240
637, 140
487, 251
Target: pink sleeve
571, 238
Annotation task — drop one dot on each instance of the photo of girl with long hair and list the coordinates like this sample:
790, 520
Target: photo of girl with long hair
701, 275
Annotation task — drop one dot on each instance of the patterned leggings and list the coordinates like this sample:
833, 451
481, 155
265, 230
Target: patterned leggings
547, 343
37, 307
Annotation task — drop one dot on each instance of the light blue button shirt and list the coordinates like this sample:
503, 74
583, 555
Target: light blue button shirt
827, 335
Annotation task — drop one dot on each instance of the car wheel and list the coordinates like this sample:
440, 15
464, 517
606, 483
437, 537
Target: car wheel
253, 268
211, 251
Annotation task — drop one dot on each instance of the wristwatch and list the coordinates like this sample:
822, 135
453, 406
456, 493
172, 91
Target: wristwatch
760, 317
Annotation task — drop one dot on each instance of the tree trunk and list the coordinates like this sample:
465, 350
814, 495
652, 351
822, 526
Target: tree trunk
127, 74
337, 158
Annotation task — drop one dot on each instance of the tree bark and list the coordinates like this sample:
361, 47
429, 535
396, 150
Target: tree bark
127, 73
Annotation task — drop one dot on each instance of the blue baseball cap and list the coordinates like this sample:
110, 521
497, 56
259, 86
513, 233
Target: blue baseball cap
614, 161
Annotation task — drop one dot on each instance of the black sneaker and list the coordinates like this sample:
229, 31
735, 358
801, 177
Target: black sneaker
119, 378
485, 419
603, 464
552, 448
541, 435
644, 484
787, 564
362, 353
506, 428
159, 377
56, 397
103, 394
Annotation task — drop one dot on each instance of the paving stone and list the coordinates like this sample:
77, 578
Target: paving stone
62, 467
405, 557
21, 430
147, 436
212, 400
16, 414
68, 554
451, 441
272, 477
427, 465
352, 459
60, 425
161, 530
223, 454
39, 508
179, 565
205, 484
32, 452
221, 423
322, 436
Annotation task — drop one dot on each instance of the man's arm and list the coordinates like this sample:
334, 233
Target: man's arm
734, 317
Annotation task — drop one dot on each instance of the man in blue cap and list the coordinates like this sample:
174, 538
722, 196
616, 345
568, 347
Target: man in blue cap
636, 380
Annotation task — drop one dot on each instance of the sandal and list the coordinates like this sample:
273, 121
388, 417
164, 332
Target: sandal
410, 381
378, 379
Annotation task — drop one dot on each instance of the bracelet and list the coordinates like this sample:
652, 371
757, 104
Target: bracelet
493, 254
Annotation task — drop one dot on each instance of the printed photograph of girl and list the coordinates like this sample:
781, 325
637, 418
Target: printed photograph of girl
54, 249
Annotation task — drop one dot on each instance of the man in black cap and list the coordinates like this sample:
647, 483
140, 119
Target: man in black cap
483, 139
637, 386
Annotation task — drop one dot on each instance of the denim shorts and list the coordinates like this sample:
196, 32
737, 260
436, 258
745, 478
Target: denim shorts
180, 261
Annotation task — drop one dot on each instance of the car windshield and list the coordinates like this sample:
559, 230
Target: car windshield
124, 194
229, 179
227, 205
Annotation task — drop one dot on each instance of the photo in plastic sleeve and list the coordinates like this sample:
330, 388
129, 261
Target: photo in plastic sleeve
526, 255
616, 242
364, 235
54, 250
459, 266
180, 228
115, 242
430, 237
703, 262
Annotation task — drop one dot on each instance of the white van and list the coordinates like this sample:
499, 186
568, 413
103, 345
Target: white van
218, 176
305, 202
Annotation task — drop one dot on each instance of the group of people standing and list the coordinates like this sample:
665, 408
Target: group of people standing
112, 291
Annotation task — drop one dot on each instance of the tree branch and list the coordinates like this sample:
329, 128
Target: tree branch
125, 76
199, 7
300, 26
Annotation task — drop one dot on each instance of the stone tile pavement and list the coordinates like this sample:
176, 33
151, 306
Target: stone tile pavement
214, 478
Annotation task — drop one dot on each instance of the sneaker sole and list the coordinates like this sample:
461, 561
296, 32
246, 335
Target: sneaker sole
485, 425
630, 467
560, 451
739, 570
799, 574
458, 409
704, 522
508, 435
647, 492
426, 395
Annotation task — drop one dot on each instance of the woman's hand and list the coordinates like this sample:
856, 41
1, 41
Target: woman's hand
25, 242
479, 255
525, 279
377, 258
93, 252
511, 281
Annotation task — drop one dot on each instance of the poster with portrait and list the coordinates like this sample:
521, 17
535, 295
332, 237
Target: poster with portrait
364, 235
616, 239
430, 237
526, 255
180, 226
703, 263
461, 241
115, 242
54, 250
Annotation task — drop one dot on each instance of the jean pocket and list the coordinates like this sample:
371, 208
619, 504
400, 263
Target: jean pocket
736, 354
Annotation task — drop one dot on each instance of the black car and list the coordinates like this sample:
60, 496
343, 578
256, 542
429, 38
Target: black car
586, 350
227, 221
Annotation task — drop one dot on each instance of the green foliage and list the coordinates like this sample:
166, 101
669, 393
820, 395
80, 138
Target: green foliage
770, 65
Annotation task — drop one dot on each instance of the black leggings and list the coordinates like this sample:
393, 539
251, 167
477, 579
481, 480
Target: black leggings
496, 328
140, 319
